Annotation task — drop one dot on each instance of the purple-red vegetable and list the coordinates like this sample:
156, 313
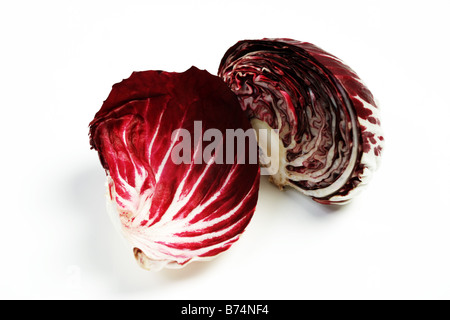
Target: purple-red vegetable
327, 120
174, 212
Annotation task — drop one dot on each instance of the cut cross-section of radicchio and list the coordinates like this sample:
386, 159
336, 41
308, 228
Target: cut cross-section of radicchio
174, 210
327, 120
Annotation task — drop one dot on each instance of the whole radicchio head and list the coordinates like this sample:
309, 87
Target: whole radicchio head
175, 204
327, 120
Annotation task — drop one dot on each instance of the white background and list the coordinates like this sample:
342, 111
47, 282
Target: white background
58, 61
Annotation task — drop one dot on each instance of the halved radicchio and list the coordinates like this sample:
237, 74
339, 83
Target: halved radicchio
327, 120
173, 213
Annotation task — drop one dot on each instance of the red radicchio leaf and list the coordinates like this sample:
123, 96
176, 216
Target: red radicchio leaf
173, 213
327, 120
